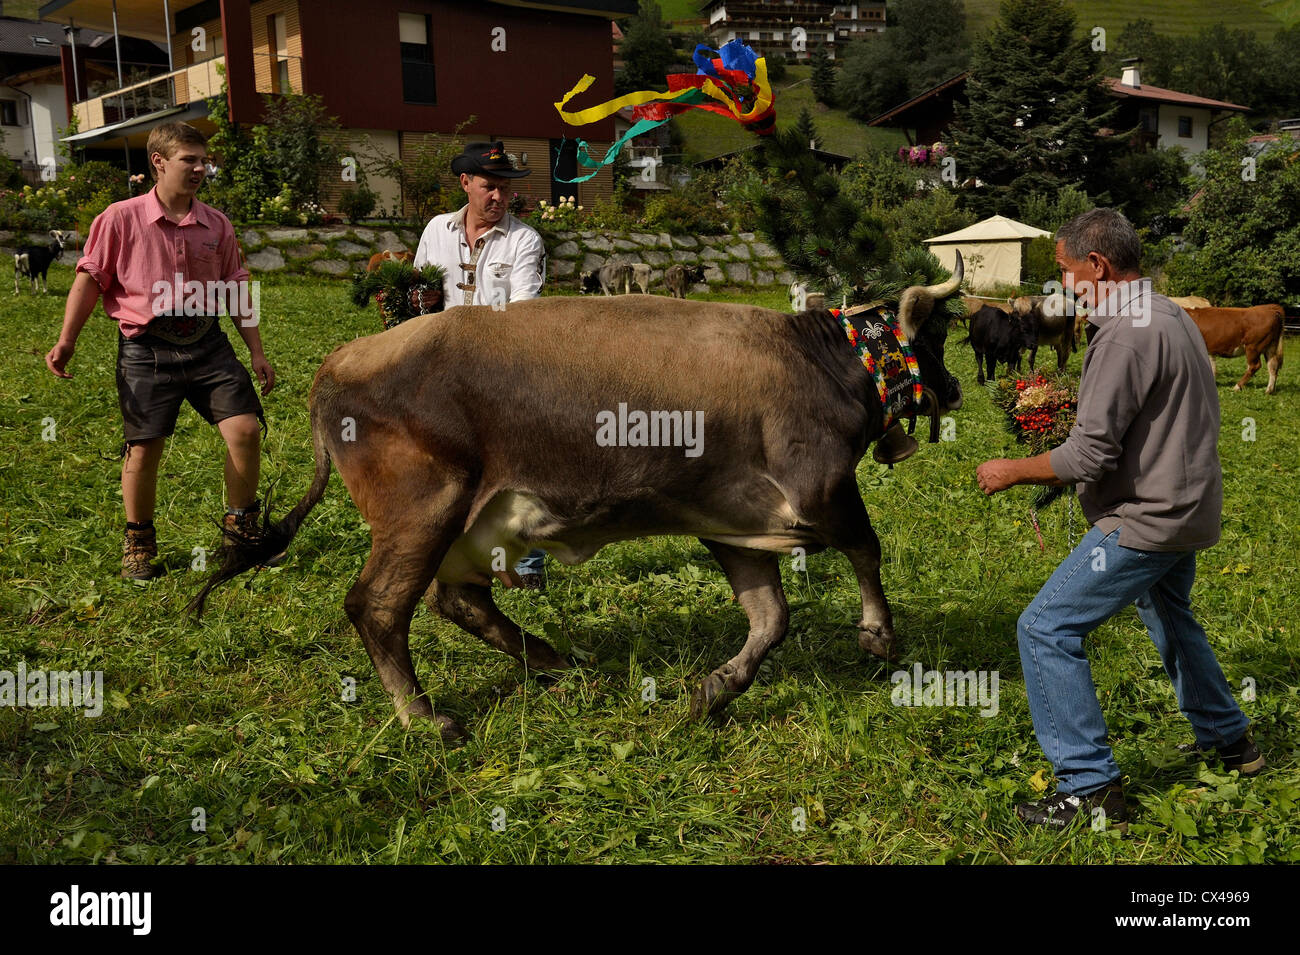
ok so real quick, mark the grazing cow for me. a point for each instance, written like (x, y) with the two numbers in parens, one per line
(679, 278)
(608, 277)
(33, 261)
(641, 277)
(1052, 321)
(1253, 332)
(746, 428)
(996, 337)
(379, 258)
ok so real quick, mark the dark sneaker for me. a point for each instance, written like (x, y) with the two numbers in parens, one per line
(139, 550)
(532, 581)
(1061, 810)
(246, 529)
(1243, 755)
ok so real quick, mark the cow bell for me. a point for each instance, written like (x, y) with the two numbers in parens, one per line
(894, 446)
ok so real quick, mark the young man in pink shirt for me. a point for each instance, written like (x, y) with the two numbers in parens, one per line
(165, 264)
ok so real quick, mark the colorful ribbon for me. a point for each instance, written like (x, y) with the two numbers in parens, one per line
(731, 83)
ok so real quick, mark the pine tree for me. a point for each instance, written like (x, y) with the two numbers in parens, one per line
(646, 50)
(823, 235)
(823, 77)
(1036, 105)
(805, 128)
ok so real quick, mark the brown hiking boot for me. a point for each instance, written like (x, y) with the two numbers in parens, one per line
(138, 552)
(246, 528)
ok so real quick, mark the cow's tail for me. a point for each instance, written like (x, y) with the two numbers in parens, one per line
(1274, 351)
(247, 553)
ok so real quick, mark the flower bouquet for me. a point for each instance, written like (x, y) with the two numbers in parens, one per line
(1040, 411)
(402, 290)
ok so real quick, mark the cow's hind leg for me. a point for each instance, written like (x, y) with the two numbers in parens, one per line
(1274, 364)
(755, 576)
(470, 607)
(406, 551)
(1252, 365)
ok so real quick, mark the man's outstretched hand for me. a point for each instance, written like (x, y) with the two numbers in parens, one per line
(996, 475)
(57, 359)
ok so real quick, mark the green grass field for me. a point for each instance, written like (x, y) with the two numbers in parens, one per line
(241, 715)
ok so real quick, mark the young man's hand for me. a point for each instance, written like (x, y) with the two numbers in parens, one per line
(264, 372)
(58, 357)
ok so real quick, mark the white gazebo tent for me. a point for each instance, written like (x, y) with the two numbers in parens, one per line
(993, 251)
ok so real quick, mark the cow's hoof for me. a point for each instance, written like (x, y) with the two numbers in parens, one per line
(452, 733)
(1236, 387)
(711, 697)
(877, 642)
(540, 655)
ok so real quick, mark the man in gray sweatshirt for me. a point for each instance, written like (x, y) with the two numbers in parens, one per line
(1144, 454)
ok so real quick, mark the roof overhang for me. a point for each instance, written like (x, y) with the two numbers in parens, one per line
(139, 18)
(137, 129)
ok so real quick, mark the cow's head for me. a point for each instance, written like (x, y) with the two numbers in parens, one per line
(588, 282)
(926, 327)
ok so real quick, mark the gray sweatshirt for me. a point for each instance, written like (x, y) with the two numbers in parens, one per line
(1145, 449)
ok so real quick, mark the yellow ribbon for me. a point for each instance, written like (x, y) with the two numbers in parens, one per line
(762, 101)
(594, 113)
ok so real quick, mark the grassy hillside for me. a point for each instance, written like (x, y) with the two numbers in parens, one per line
(1264, 17)
(707, 135)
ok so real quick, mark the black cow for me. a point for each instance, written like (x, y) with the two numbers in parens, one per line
(996, 337)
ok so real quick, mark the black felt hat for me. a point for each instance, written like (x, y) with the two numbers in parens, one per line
(487, 159)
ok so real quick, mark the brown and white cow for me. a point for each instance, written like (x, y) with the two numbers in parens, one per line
(1254, 332)
(744, 427)
(379, 258)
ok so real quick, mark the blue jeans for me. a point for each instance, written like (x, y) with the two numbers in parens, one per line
(532, 563)
(1099, 579)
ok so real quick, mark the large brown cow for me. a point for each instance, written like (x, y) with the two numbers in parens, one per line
(1253, 332)
(749, 425)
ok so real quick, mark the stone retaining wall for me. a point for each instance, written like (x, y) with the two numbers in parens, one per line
(337, 251)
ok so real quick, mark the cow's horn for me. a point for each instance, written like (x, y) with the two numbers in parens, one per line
(911, 322)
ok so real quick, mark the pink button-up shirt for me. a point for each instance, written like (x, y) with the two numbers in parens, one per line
(135, 255)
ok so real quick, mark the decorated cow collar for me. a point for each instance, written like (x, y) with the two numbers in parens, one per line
(878, 340)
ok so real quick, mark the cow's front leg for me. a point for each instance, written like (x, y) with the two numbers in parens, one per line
(755, 577)
(851, 533)
(471, 607)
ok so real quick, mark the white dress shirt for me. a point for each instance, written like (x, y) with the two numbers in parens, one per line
(511, 264)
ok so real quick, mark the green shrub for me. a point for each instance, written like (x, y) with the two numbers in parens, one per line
(684, 212)
(1040, 262)
(92, 207)
(358, 203)
(933, 213)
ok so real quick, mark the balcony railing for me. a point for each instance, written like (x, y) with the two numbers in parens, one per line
(273, 73)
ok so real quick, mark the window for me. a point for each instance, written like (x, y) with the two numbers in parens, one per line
(277, 41)
(8, 112)
(417, 59)
(1150, 120)
(1185, 127)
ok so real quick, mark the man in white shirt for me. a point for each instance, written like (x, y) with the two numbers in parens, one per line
(490, 258)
